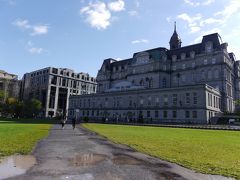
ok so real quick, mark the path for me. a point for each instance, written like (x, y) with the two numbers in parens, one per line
(83, 155)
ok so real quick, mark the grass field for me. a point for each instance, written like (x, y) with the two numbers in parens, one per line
(206, 151)
(19, 136)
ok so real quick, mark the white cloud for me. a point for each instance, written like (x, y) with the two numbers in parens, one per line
(97, 15)
(195, 3)
(23, 24)
(189, 19)
(133, 13)
(116, 6)
(208, 2)
(232, 8)
(32, 49)
(191, 3)
(194, 29)
(140, 41)
(211, 21)
(35, 29)
(40, 29)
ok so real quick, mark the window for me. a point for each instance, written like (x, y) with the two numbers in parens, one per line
(187, 114)
(156, 114)
(194, 114)
(209, 74)
(174, 58)
(213, 60)
(187, 98)
(174, 99)
(183, 56)
(174, 114)
(193, 65)
(205, 62)
(148, 114)
(165, 114)
(174, 68)
(192, 54)
(164, 67)
(165, 100)
(164, 83)
(195, 98)
(216, 73)
(183, 66)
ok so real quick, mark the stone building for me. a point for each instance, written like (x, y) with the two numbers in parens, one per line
(53, 86)
(182, 84)
(9, 84)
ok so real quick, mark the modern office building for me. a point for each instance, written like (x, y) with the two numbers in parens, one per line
(9, 84)
(181, 85)
(53, 86)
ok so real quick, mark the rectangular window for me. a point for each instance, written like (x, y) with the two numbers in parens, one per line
(174, 99)
(165, 114)
(174, 114)
(156, 114)
(148, 114)
(195, 98)
(187, 114)
(165, 100)
(194, 114)
(187, 98)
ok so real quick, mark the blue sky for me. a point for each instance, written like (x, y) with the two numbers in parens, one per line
(80, 34)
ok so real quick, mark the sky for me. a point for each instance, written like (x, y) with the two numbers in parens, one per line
(80, 34)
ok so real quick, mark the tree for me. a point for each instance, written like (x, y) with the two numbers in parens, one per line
(32, 107)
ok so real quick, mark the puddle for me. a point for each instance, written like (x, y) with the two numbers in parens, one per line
(15, 165)
(88, 159)
(121, 159)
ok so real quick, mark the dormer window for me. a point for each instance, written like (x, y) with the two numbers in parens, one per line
(192, 54)
(174, 58)
(209, 47)
(183, 56)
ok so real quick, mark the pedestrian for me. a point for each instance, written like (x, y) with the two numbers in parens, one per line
(73, 122)
(63, 121)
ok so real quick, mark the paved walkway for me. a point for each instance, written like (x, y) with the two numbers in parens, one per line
(82, 155)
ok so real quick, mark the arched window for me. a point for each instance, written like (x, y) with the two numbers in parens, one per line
(164, 83)
(209, 74)
(216, 73)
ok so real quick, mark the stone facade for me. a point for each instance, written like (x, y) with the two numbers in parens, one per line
(205, 72)
(10, 84)
(53, 86)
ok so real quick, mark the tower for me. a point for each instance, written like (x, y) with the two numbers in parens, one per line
(175, 41)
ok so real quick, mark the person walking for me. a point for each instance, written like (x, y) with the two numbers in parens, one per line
(63, 121)
(73, 122)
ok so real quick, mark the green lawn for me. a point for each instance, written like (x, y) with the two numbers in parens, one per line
(19, 136)
(206, 151)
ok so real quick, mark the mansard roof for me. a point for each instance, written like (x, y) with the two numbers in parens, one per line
(157, 52)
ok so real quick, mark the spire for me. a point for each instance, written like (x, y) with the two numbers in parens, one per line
(175, 41)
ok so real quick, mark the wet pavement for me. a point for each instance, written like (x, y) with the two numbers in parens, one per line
(82, 155)
(16, 165)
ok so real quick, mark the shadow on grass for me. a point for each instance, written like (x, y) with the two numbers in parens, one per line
(28, 121)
